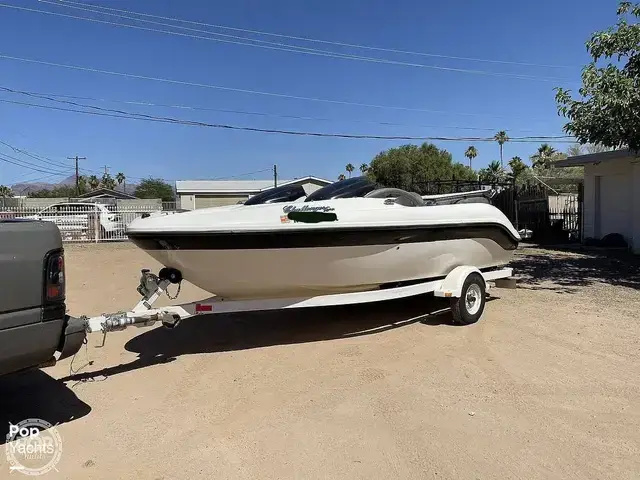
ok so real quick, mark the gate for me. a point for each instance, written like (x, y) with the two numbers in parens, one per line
(547, 216)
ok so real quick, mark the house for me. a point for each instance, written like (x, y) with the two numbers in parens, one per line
(611, 194)
(194, 194)
(106, 193)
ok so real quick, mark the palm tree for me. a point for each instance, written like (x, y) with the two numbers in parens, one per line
(120, 178)
(502, 138)
(93, 182)
(517, 167)
(364, 168)
(82, 184)
(108, 181)
(542, 158)
(341, 177)
(494, 173)
(5, 192)
(471, 153)
(349, 168)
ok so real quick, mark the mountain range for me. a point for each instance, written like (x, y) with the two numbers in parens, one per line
(24, 188)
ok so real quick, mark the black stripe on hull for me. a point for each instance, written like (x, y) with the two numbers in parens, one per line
(317, 238)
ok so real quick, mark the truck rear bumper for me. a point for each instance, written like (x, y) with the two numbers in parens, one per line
(73, 336)
(34, 345)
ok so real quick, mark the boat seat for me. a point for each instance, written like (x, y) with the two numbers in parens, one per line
(402, 197)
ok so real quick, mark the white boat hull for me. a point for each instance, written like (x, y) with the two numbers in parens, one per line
(323, 247)
(293, 272)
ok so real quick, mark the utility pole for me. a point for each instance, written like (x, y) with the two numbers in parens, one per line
(275, 175)
(77, 174)
(106, 169)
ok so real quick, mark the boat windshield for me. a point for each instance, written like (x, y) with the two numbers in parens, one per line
(349, 188)
(283, 193)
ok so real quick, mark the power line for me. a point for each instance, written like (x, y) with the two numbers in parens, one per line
(138, 116)
(263, 114)
(5, 158)
(128, 176)
(239, 90)
(277, 46)
(41, 157)
(27, 164)
(34, 156)
(248, 174)
(68, 4)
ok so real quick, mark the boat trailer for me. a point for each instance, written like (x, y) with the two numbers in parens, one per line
(465, 286)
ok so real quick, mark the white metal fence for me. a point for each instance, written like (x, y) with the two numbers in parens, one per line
(86, 222)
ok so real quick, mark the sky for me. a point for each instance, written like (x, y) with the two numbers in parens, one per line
(527, 48)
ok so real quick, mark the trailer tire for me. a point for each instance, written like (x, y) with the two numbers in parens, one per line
(468, 308)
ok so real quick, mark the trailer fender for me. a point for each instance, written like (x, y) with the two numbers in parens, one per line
(451, 286)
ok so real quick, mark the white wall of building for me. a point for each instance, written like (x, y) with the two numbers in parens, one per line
(204, 193)
(612, 200)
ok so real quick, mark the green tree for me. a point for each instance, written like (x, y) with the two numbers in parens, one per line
(578, 149)
(121, 179)
(410, 167)
(544, 156)
(155, 188)
(518, 168)
(341, 177)
(574, 150)
(597, 148)
(5, 191)
(363, 168)
(471, 153)
(94, 182)
(108, 182)
(493, 173)
(349, 168)
(462, 172)
(501, 137)
(82, 184)
(606, 112)
(60, 191)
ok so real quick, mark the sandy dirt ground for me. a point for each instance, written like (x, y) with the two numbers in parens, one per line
(545, 386)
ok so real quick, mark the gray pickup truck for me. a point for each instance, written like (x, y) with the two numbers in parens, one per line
(35, 329)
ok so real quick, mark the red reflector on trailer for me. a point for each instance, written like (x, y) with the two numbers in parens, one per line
(202, 307)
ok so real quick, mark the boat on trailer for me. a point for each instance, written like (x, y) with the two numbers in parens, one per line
(348, 243)
(350, 236)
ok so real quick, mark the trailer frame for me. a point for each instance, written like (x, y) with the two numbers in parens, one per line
(465, 286)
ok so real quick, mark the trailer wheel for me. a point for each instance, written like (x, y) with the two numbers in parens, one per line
(469, 307)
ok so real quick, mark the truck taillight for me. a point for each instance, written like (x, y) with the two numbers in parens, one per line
(54, 277)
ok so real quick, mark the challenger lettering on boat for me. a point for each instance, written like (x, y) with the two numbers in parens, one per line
(307, 208)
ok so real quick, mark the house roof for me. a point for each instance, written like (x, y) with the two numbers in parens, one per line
(237, 186)
(106, 192)
(592, 158)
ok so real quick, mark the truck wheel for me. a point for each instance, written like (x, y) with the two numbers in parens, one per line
(469, 307)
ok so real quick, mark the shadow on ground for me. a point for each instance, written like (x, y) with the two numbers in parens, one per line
(34, 394)
(241, 331)
(567, 270)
